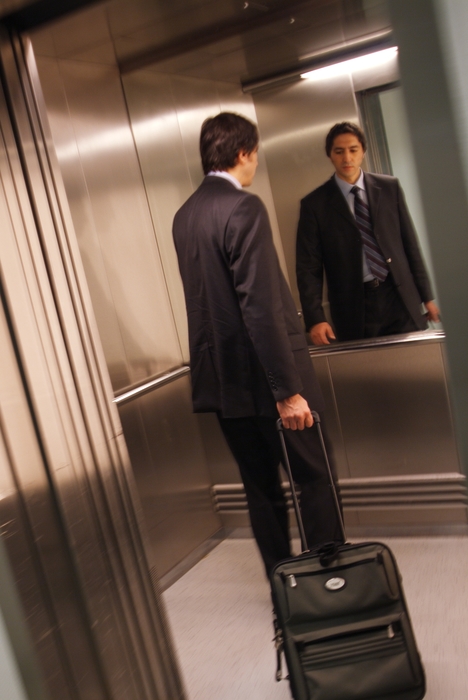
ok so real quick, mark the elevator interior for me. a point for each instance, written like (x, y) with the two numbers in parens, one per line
(123, 87)
(126, 87)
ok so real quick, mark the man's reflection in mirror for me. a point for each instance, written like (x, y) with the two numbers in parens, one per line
(356, 228)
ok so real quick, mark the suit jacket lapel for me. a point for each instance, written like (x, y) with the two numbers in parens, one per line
(373, 196)
(338, 202)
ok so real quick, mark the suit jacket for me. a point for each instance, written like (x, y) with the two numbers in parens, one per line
(328, 239)
(247, 345)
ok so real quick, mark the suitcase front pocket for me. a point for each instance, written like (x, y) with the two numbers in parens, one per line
(368, 663)
(334, 592)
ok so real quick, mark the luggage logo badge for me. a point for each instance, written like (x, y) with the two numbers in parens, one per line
(335, 584)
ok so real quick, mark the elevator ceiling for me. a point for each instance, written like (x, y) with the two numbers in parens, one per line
(230, 40)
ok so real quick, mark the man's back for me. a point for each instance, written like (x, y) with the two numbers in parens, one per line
(242, 319)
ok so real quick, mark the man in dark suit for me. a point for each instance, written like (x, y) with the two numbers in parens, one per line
(356, 227)
(248, 354)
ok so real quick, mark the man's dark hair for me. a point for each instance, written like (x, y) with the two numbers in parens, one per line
(223, 137)
(344, 128)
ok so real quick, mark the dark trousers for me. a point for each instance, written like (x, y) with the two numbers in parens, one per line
(255, 444)
(385, 313)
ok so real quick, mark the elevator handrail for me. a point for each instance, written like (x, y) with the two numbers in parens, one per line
(418, 337)
(136, 391)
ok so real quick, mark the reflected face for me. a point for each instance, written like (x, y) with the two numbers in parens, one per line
(347, 155)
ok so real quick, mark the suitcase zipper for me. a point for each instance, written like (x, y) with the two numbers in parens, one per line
(298, 574)
(352, 645)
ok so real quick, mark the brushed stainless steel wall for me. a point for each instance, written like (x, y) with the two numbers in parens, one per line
(390, 420)
(166, 113)
(68, 511)
(169, 464)
(96, 152)
(124, 235)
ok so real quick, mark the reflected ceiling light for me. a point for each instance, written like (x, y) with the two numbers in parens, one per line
(369, 60)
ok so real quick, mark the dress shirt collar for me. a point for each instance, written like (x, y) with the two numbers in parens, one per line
(346, 188)
(227, 176)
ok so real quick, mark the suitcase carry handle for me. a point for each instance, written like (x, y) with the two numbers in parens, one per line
(300, 524)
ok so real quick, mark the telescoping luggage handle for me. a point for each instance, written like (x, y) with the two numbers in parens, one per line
(300, 524)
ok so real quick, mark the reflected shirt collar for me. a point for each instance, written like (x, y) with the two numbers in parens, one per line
(227, 176)
(346, 188)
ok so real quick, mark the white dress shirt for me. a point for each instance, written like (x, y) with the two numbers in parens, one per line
(227, 176)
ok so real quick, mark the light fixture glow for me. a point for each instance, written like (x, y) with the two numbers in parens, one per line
(370, 60)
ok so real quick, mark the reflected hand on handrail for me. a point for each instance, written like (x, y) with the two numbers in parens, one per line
(322, 333)
(433, 313)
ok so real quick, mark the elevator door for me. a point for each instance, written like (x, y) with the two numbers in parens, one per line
(69, 516)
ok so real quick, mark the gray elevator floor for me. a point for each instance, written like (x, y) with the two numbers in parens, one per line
(220, 614)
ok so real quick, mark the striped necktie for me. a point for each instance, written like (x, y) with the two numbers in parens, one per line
(375, 259)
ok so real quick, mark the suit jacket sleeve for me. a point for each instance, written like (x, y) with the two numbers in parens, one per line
(260, 287)
(412, 250)
(309, 266)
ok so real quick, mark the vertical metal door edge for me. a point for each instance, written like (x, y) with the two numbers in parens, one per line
(73, 360)
(95, 357)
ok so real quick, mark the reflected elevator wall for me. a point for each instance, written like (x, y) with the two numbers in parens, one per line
(293, 121)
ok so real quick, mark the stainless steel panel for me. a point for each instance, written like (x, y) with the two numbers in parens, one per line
(108, 203)
(171, 474)
(221, 464)
(394, 410)
(331, 415)
(416, 504)
(166, 115)
(163, 163)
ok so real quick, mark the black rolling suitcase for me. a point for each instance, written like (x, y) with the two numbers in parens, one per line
(342, 620)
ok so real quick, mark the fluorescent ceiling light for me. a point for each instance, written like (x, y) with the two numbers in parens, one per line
(370, 60)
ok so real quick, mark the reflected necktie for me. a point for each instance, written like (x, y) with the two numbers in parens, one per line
(375, 259)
